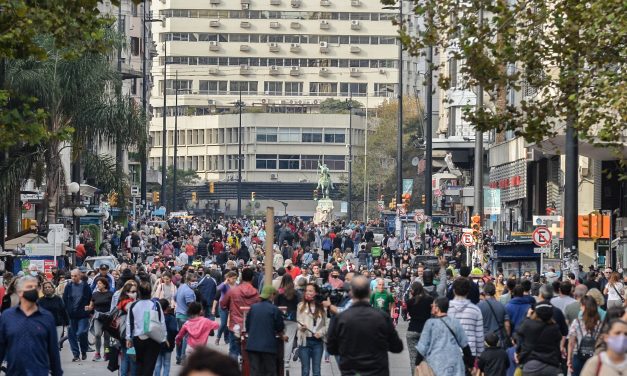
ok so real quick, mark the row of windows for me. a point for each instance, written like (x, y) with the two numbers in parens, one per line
(298, 162)
(223, 87)
(262, 162)
(293, 108)
(276, 15)
(278, 38)
(279, 62)
(262, 135)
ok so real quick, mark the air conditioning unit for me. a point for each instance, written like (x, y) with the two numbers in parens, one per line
(245, 2)
(324, 47)
(325, 3)
(284, 101)
(245, 24)
(355, 72)
(274, 176)
(274, 47)
(295, 47)
(244, 69)
(324, 24)
(295, 25)
(355, 25)
(244, 48)
(211, 102)
(245, 6)
(381, 71)
(324, 71)
(274, 70)
(295, 71)
(274, 25)
(355, 3)
(214, 71)
(295, 3)
(214, 23)
(214, 46)
(275, 2)
(214, 2)
(355, 49)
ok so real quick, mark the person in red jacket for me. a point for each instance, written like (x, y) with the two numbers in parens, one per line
(244, 295)
(80, 254)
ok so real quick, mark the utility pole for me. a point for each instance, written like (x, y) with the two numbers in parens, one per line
(176, 138)
(144, 148)
(571, 199)
(429, 134)
(350, 158)
(164, 157)
(478, 177)
(399, 133)
(239, 157)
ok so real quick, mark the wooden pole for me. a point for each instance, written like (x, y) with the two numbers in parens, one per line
(269, 246)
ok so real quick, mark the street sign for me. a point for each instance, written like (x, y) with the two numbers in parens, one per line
(419, 217)
(543, 251)
(27, 206)
(542, 236)
(134, 191)
(437, 192)
(467, 239)
(545, 220)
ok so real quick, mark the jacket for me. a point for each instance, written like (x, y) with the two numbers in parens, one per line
(540, 341)
(172, 330)
(244, 295)
(197, 330)
(517, 309)
(207, 288)
(55, 306)
(76, 310)
(362, 337)
(263, 323)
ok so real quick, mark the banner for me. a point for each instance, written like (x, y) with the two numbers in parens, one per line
(491, 201)
(408, 186)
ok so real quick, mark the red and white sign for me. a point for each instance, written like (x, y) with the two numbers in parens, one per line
(27, 205)
(542, 236)
(467, 239)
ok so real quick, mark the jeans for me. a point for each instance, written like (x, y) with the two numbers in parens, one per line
(77, 333)
(290, 331)
(98, 332)
(311, 357)
(412, 340)
(262, 364)
(127, 365)
(180, 350)
(163, 362)
(235, 346)
(147, 353)
(224, 315)
(578, 363)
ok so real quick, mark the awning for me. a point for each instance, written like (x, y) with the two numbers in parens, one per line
(159, 212)
(557, 146)
(518, 250)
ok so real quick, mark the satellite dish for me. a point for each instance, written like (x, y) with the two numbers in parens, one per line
(414, 161)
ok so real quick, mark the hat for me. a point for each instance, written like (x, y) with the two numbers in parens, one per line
(267, 291)
(104, 267)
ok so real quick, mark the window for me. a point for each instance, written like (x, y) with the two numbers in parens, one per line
(312, 135)
(452, 71)
(335, 136)
(246, 87)
(266, 135)
(265, 162)
(273, 88)
(135, 46)
(289, 162)
(293, 88)
(181, 85)
(384, 89)
(289, 134)
(309, 162)
(323, 88)
(212, 87)
(232, 162)
(335, 162)
(356, 90)
(134, 86)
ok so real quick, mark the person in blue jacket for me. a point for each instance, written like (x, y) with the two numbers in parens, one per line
(518, 307)
(162, 368)
(207, 288)
(76, 297)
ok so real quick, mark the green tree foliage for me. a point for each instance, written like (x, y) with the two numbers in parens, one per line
(337, 106)
(569, 53)
(184, 179)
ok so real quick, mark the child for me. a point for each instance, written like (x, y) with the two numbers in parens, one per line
(165, 355)
(494, 360)
(197, 328)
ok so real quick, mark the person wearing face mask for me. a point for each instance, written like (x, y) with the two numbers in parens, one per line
(54, 304)
(28, 338)
(613, 361)
(76, 297)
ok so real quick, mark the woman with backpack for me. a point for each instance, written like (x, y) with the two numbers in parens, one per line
(615, 291)
(583, 334)
(613, 361)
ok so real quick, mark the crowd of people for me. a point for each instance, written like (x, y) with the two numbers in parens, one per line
(336, 294)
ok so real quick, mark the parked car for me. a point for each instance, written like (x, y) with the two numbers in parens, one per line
(93, 263)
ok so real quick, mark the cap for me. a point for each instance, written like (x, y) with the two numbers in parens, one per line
(267, 291)
(104, 267)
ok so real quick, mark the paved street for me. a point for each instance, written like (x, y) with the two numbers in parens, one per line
(399, 363)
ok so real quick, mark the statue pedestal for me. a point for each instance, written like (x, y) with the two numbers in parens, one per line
(324, 211)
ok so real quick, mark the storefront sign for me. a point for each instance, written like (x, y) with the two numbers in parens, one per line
(492, 201)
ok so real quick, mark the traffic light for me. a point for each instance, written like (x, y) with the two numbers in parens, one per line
(212, 187)
(155, 197)
(393, 203)
(423, 199)
(596, 225)
(113, 199)
(315, 194)
(406, 198)
(194, 197)
(475, 225)
(252, 196)
(584, 228)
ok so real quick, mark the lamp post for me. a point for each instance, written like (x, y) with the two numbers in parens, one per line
(350, 158)
(164, 157)
(75, 210)
(239, 104)
(176, 138)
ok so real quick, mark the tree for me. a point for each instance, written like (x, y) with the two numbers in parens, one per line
(568, 52)
(184, 179)
(337, 106)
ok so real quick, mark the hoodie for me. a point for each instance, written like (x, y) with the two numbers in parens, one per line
(197, 330)
(517, 309)
(244, 295)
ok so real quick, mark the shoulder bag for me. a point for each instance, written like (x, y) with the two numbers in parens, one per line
(469, 359)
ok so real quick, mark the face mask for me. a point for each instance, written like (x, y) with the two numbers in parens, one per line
(193, 285)
(31, 295)
(33, 273)
(132, 295)
(618, 343)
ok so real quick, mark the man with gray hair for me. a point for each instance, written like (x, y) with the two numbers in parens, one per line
(28, 336)
(77, 296)
(572, 310)
(546, 294)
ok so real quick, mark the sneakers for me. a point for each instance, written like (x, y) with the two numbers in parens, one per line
(76, 359)
(84, 356)
(97, 357)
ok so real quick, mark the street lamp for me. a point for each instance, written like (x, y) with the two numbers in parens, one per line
(349, 103)
(239, 104)
(76, 212)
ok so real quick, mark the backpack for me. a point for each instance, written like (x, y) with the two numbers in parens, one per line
(587, 345)
(376, 251)
(151, 322)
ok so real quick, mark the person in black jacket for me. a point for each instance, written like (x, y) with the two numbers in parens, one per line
(538, 339)
(54, 304)
(362, 335)
(207, 288)
(76, 297)
(165, 355)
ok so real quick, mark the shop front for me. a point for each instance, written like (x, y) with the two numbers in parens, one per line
(515, 258)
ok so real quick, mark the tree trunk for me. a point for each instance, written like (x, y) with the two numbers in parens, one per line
(13, 213)
(53, 175)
